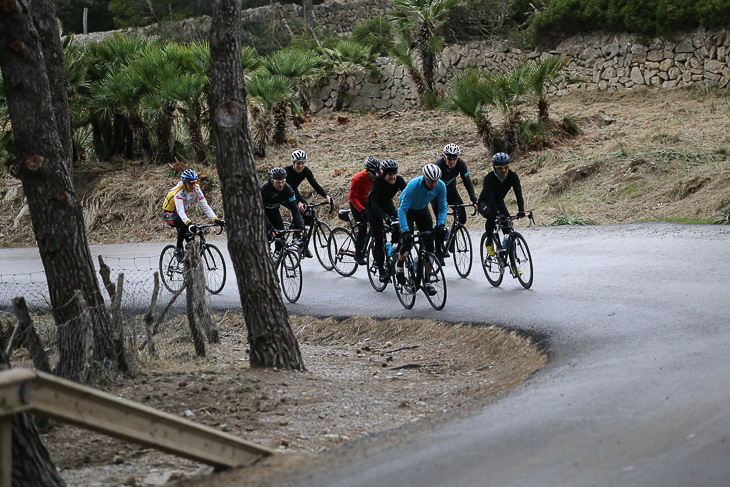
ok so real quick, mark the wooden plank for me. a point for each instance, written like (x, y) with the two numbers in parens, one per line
(14, 390)
(92, 409)
(6, 451)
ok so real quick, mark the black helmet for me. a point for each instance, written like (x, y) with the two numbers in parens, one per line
(372, 165)
(389, 166)
(277, 173)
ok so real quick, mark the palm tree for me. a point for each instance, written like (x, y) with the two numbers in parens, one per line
(190, 91)
(348, 59)
(265, 92)
(465, 94)
(540, 79)
(295, 65)
(507, 92)
(402, 51)
(424, 19)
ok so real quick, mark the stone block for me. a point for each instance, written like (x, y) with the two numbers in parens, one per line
(637, 76)
(713, 66)
(655, 55)
(685, 46)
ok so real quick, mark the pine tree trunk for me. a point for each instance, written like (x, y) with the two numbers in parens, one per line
(45, 169)
(270, 337)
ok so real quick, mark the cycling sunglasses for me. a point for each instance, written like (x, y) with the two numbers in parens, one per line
(499, 168)
(280, 181)
(452, 158)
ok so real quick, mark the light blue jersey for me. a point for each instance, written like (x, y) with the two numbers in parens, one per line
(417, 196)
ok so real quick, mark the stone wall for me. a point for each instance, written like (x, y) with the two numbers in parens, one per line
(598, 62)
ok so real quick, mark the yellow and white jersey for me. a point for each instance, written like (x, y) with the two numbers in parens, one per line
(179, 200)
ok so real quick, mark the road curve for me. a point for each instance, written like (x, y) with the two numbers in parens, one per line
(636, 389)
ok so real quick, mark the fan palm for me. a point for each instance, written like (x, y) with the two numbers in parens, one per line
(402, 51)
(507, 92)
(265, 93)
(540, 79)
(465, 94)
(424, 19)
(348, 59)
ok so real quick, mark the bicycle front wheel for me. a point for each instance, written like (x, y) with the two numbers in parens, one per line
(490, 263)
(521, 260)
(433, 275)
(172, 272)
(321, 236)
(290, 275)
(214, 268)
(341, 248)
(462, 251)
(406, 292)
(373, 272)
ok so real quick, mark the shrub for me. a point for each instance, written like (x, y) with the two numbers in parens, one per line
(376, 33)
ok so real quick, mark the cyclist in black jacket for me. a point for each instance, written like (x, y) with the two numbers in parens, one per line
(452, 165)
(496, 185)
(295, 174)
(274, 193)
(380, 207)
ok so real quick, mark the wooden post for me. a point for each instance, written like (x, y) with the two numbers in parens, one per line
(86, 339)
(195, 284)
(86, 18)
(28, 337)
(105, 273)
(149, 317)
(117, 323)
(6, 450)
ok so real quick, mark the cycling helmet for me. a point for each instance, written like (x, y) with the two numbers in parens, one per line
(189, 176)
(389, 166)
(277, 173)
(431, 172)
(500, 159)
(452, 150)
(298, 155)
(372, 165)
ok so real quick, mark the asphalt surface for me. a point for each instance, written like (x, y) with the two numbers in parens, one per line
(636, 391)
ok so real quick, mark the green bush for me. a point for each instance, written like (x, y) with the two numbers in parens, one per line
(377, 34)
(646, 17)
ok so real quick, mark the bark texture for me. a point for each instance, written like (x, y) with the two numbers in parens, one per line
(43, 163)
(270, 337)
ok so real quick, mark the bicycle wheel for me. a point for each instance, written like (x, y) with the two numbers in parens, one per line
(171, 271)
(373, 273)
(521, 260)
(462, 251)
(290, 275)
(341, 248)
(492, 270)
(215, 269)
(406, 292)
(433, 274)
(320, 236)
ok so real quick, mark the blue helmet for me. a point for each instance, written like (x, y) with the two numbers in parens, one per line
(189, 176)
(500, 159)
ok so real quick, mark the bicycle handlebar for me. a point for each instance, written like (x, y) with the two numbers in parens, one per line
(199, 228)
(464, 205)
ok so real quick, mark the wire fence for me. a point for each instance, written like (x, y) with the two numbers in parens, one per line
(77, 342)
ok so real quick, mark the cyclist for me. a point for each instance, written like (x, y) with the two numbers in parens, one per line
(495, 187)
(413, 208)
(274, 193)
(380, 207)
(358, 198)
(176, 205)
(295, 174)
(452, 165)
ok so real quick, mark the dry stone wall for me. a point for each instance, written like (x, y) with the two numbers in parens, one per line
(598, 62)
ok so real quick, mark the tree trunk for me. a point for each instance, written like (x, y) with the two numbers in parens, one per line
(281, 119)
(32, 465)
(308, 14)
(45, 169)
(270, 337)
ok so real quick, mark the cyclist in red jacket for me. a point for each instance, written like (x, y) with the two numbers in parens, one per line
(358, 198)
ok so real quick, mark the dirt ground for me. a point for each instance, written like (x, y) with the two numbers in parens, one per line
(364, 377)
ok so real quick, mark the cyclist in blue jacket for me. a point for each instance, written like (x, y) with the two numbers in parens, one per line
(414, 201)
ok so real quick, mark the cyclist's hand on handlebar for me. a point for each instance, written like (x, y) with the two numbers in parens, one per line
(192, 229)
(221, 222)
(388, 220)
(520, 214)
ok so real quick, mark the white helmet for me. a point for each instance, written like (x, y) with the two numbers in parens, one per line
(431, 172)
(452, 150)
(298, 155)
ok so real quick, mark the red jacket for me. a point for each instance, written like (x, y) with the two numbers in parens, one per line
(359, 189)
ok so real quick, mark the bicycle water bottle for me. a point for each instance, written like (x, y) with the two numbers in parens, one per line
(504, 242)
(415, 265)
(389, 249)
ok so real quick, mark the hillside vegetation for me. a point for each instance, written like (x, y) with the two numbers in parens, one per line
(643, 155)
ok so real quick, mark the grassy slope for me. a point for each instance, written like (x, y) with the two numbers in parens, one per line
(664, 158)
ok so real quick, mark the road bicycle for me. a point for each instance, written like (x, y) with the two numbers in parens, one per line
(389, 251)
(172, 270)
(457, 242)
(285, 250)
(512, 254)
(341, 245)
(319, 232)
(420, 268)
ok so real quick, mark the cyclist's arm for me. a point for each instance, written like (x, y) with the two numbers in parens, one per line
(443, 207)
(203, 203)
(405, 204)
(466, 179)
(296, 215)
(180, 208)
(313, 183)
(517, 188)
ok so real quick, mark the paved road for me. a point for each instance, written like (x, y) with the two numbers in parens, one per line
(636, 391)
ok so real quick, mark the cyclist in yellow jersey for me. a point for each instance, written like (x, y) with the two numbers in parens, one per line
(176, 205)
